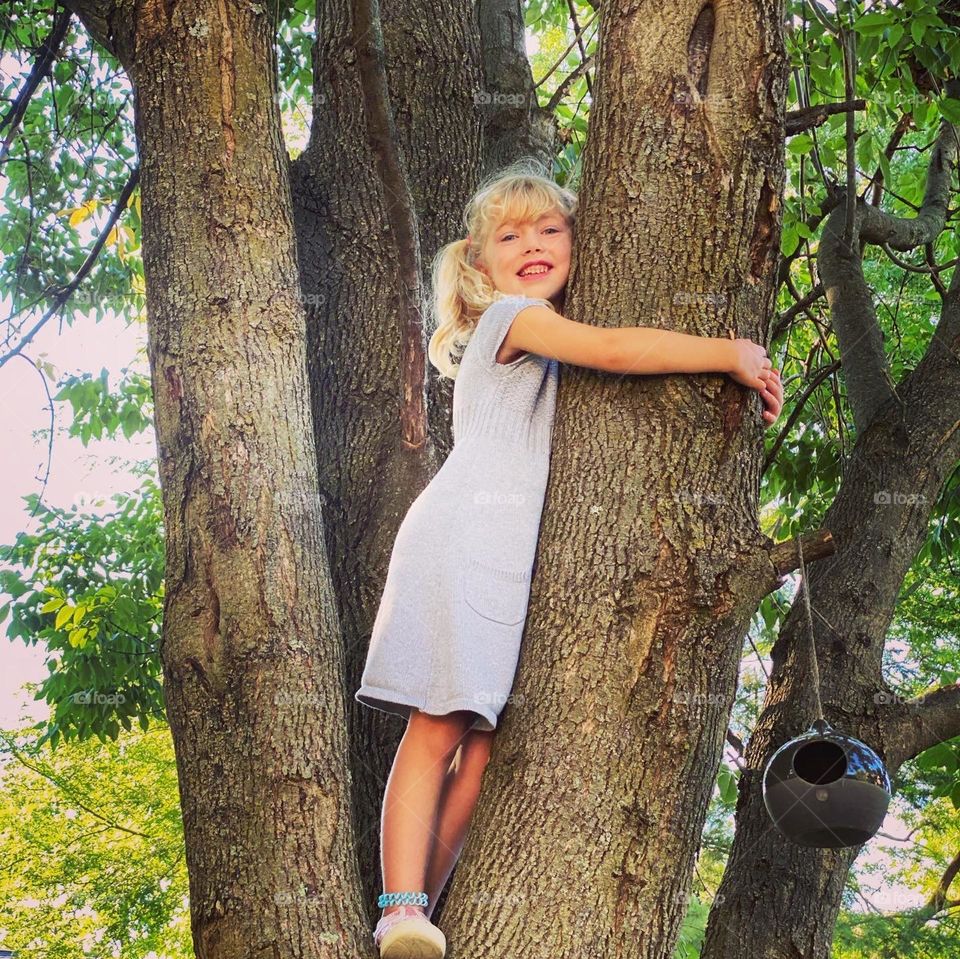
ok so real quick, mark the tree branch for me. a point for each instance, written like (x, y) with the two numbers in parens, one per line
(561, 90)
(67, 291)
(66, 790)
(910, 727)
(807, 117)
(913, 267)
(46, 55)
(869, 385)
(848, 47)
(905, 123)
(100, 18)
(797, 408)
(783, 320)
(816, 545)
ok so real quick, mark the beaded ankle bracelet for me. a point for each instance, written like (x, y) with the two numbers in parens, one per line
(402, 899)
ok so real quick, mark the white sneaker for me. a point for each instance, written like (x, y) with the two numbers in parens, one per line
(408, 934)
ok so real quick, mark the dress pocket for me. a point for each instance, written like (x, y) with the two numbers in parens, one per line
(496, 593)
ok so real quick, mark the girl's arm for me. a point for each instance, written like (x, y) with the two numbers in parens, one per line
(631, 349)
(644, 349)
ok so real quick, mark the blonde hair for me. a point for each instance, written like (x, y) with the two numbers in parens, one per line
(521, 193)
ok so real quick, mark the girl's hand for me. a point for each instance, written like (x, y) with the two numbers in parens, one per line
(751, 366)
(748, 363)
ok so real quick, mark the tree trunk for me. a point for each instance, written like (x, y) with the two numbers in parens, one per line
(650, 561)
(396, 147)
(253, 665)
(779, 900)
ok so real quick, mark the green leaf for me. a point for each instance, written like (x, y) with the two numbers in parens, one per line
(727, 783)
(884, 166)
(937, 757)
(789, 241)
(949, 108)
(63, 616)
(872, 24)
(12, 584)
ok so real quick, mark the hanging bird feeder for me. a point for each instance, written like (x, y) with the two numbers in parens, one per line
(824, 788)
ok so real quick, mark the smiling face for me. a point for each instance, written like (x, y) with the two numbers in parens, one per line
(512, 247)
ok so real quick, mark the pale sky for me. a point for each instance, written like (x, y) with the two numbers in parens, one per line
(77, 473)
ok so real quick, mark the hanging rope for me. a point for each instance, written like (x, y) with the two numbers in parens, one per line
(814, 667)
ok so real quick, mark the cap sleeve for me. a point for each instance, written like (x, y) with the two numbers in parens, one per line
(493, 324)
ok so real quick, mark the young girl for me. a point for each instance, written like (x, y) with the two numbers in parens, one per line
(446, 638)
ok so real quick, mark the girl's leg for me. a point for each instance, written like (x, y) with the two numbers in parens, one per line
(412, 798)
(457, 802)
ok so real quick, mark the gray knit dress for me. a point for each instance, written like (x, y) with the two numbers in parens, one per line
(447, 632)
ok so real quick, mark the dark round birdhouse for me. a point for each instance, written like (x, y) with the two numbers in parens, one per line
(826, 789)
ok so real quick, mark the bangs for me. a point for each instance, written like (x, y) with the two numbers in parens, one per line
(519, 201)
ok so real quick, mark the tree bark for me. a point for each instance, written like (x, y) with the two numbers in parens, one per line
(514, 124)
(650, 560)
(252, 660)
(397, 144)
(778, 900)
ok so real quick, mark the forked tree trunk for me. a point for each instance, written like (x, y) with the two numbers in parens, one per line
(650, 559)
(395, 149)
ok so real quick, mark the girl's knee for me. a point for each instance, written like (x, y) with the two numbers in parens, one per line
(473, 753)
(443, 733)
(480, 743)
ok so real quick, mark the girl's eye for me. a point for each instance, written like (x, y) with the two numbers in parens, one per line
(506, 236)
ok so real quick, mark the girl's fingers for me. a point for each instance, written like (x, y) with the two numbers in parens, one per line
(773, 403)
(772, 388)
